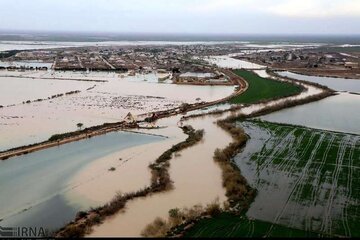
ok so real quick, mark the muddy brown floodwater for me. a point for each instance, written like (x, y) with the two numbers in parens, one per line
(107, 102)
(197, 179)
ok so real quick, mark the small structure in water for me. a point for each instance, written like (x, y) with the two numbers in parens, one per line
(152, 118)
(129, 118)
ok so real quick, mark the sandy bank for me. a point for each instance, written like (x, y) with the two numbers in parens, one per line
(99, 185)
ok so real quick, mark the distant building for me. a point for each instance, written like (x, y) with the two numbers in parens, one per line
(351, 65)
(290, 56)
(129, 118)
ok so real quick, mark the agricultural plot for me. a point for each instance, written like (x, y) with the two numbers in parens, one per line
(307, 180)
(263, 89)
(228, 225)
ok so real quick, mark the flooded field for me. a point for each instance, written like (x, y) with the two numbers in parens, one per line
(229, 62)
(306, 179)
(35, 187)
(26, 45)
(18, 90)
(335, 113)
(98, 103)
(230, 226)
(25, 64)
(338, 84)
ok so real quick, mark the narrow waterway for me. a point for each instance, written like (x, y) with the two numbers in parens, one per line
(197, 179)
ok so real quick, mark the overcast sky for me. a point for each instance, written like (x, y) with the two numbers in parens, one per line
(184, 16)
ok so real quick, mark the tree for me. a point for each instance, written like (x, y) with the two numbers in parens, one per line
(80, 125)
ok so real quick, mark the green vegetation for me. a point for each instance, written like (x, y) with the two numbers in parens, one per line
(6, 54)
(160, 178)
(79, 125)
(230, 225)
(89, 130)
(61, 136)
(262, 89)
(178, 219)
(319, 175)
(238, 191)
(310, 176)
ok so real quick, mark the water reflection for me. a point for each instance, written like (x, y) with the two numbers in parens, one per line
(337, 113)
(338, 84)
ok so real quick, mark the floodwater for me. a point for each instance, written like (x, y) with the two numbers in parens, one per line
(132, 171)
(196, 177)
(210, 109)
(305, 178)
(229, 62)
(25, 64)
(337, 113)
(33, 186)
(99, 103)
(26, 45)
(338, 84)
(17, 90)
(197, 74)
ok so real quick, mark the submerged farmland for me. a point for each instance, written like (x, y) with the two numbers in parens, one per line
(306, 179)
(262, 179)
(229, 225)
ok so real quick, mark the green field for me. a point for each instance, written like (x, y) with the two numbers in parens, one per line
(263, 89)
(307, 179)
(228, 225)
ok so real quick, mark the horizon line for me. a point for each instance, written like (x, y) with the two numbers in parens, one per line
(8, 31)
